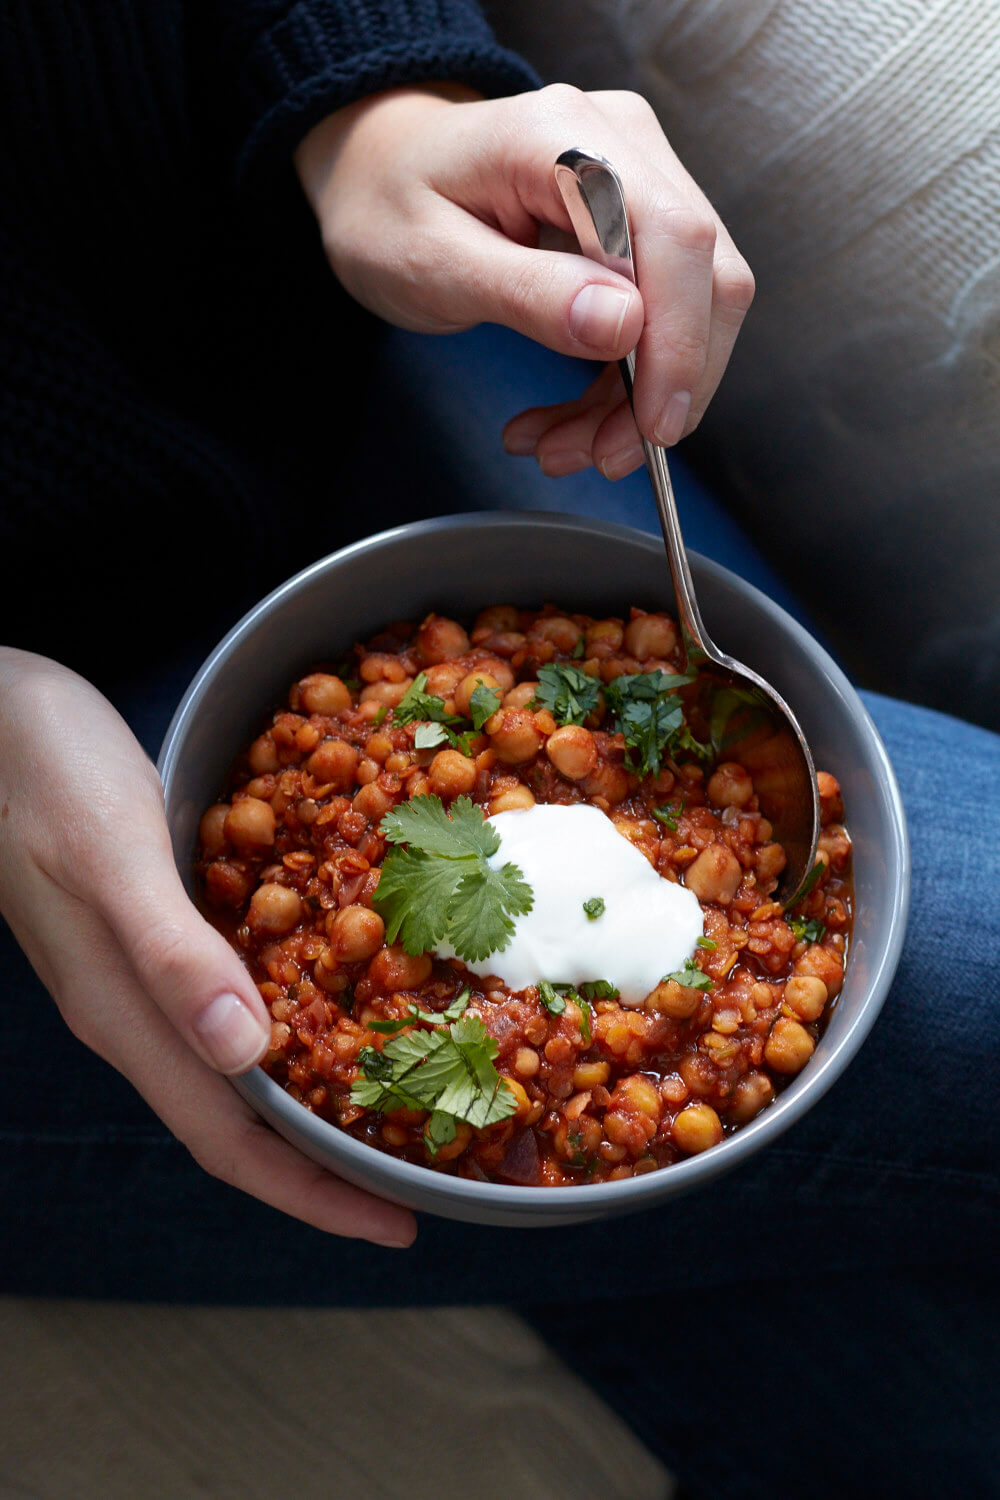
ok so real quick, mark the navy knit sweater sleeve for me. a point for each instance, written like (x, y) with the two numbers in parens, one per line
(295, 62)
(170, 334)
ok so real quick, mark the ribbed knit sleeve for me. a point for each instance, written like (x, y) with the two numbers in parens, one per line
(294, 63)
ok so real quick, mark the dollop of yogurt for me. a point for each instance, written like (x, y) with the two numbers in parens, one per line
(569, 856)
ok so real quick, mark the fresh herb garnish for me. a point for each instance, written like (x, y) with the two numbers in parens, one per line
(381, 715)
(599, 989)
(650, 715)
(806, 886)
(427, 736)
(584, 1007)
(670, 816)
(429, 1017)
(416, 703)
(708, 943)
(448, 1071)
(554, 1002)
(690, 976)
(810, 930)
(483, 704)
(440, 888)
(569, 694)
(580, 649)
(594, 908)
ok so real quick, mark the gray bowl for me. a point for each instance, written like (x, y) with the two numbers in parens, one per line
(457, 565)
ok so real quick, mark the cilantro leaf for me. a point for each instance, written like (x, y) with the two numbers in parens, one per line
(691, 977)
(599, 989)
(440, 887)
(648, 712)
(483, 704)
(818, 869)
(550, 997)
(448, 1071)
(430, 1017)
(594, 908)
(670, 815)
(569, 694)
(426, 736)
(417, 703)
(807, 931)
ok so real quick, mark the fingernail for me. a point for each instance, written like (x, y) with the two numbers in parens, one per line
(623, 462)
(672, 419)
(230, 1034)
(557, 465)
(597, 314)
(520, 447)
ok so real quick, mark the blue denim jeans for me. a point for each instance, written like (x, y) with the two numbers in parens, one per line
(822, 1321)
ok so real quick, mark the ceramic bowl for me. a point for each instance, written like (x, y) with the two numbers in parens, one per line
(456, 566)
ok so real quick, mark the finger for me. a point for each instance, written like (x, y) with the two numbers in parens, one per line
(521, 434)
(84, 968)
(564, 301)
(733, 292)
(675, 266)
(617, 453)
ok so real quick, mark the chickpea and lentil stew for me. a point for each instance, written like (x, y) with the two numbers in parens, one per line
(554, 1084)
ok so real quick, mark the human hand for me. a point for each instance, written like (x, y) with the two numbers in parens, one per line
(90, 889)
(435, 207)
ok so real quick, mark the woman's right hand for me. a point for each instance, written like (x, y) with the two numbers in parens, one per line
(89, 887)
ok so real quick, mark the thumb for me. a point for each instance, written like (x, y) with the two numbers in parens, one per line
(185, 966)
(561, 300)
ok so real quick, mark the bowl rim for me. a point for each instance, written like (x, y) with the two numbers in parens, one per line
(416, 1181)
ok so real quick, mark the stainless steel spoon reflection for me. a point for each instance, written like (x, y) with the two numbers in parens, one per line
(751, 719)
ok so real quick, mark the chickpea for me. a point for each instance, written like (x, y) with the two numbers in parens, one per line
(439, 639)
(443, 679)
(769, 862)
(372, 802)
(463, 1135)
(212, 831)
(514, 736)
(333, 763)
(355, 933)
(640, 1094)
(749, 1097)
(228, 883)
(250, 824)
(468, 685)
(650, 635)
(696, 1128)
(322, 693)
(386, 694)
(806, 995)
(496, 619)
(451, 774)
(392, 968)
(521, 695)
(729, 785)
(604, 637)
(607, 780)
(573, 751)
(263, 756)
(678, 1001)
(789, 1047)
(714, 875)
(274, 908)
(825, 965)
(558, 629)
(516, 799)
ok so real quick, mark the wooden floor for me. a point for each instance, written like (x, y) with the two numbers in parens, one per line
(122, 1402)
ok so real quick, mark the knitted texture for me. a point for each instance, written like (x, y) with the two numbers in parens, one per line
(854, 152)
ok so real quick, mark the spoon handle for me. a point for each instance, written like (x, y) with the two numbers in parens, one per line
(595, 202)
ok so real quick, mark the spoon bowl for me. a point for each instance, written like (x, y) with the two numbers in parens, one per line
(749, 719)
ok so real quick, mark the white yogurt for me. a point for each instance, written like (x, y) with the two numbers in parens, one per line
(570, 855)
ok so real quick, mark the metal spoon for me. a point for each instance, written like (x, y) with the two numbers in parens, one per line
(760, 729)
